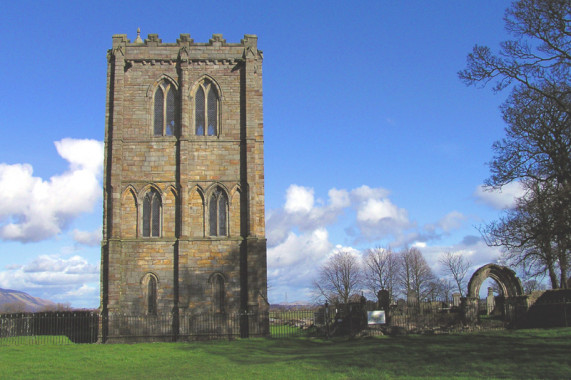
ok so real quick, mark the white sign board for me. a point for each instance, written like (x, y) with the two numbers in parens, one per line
(376, 317)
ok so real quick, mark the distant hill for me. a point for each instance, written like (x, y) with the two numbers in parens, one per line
(16, 301)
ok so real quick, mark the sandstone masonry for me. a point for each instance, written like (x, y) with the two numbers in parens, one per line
(183, 229)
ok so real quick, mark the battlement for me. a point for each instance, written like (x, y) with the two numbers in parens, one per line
(184, 49)
(217, 40)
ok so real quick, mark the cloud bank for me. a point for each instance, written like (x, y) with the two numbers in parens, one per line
(33, 209)
(55, 278)
(299, 238)
(502, 198)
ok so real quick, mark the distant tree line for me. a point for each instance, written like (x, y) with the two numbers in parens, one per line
(346, 276)
(22, 307)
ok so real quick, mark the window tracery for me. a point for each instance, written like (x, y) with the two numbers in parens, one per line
(206, 114)
(218, 213)
(165, 110)
(152, 208)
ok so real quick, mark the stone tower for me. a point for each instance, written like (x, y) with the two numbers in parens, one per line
(183, 224)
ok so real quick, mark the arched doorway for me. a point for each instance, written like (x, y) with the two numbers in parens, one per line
(504, 276)
(508, 283)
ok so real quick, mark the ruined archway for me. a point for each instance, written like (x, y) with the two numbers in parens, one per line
(506, 279)
(504, 276)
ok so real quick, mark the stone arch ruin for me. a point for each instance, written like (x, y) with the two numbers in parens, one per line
(504, 276)
(506, 279)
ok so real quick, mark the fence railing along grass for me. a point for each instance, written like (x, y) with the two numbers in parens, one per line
(181, 327)
(49, 327)
(420, 318)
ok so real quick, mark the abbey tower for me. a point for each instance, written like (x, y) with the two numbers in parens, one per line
(183, 229)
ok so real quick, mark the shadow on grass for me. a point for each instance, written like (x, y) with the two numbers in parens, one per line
(511, 354)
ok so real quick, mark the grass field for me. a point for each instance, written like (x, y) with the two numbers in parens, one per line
(507, 354)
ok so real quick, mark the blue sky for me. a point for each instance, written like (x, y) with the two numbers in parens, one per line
(370, 137)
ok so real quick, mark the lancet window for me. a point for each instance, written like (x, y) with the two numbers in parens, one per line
(152, 208)
(218, 213)
(165, 109)
(206, 114)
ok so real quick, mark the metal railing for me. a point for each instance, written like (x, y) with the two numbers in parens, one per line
(49, 327)
(420, 318)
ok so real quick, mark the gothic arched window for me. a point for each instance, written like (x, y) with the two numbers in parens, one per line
(218, 293)
(165, 110)
(152, 214)
(152, 295)
(206, 110)
(218, 213)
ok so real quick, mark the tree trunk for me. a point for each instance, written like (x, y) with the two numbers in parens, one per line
(553, 277)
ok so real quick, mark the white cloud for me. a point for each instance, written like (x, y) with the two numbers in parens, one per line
(502, 198)
(301, 212)
(365, 192)
(339, 198)
(54, 278)
(451, 221)
(298, 251)
(82, 154)
(32, 209)
(299, 199)
(477, 253)
(375, 210)
(83, 291)
(58, 265)
(293, 264)
(89, 238)
(377, 216)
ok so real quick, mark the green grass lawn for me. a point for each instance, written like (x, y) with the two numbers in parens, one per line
(506, 354)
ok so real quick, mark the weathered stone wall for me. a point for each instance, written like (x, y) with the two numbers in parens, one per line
(184, 169)
(546, 308)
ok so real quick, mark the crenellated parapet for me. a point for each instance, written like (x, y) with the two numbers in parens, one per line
(152, 50)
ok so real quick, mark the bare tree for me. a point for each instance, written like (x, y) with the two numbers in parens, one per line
(440, 290)
(13, 307)
(537, 146)
(539, 54)
(456, 265)
(415, 274)
(339, 278)
(534, 235)
(532, 285)
(446, 288)
(58, 307)
(381, 270)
